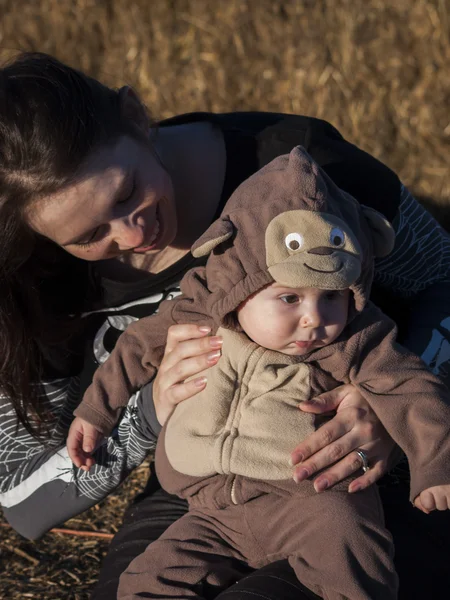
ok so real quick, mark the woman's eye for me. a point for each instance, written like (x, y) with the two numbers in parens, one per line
(294, 241)
(129, 194)
(289, 299)
(92, 240)
(337, 237)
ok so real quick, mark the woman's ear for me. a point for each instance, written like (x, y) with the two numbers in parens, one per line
(220, 231)
(383, 234)
(132, 108)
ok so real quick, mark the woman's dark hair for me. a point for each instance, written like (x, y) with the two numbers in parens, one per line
(51, 118)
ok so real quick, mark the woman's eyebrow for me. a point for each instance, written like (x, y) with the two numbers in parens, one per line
(118, 195)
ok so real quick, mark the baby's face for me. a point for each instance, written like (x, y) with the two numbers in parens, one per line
(294, 321)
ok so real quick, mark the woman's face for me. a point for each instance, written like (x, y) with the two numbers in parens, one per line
(121, 202)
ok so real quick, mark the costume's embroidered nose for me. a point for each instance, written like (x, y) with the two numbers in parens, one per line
(323, 250)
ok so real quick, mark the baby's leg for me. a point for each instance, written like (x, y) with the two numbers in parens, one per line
(434, 498)
(190, 560)
(336, 543)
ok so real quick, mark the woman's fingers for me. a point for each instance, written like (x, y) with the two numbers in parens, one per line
(176, 394)
(190, 351)
(331, 449)
(322, 440)
(330, 400)
(187, 367)
(182, 333)
(377, 469)
(183, 391)
(329, 455)
(186, 349)
(347, 467)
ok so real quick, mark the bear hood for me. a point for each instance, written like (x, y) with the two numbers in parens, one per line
(289, 223)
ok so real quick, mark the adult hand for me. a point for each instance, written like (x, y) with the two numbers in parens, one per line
(189, 352)
(355, 426)
(82, 440)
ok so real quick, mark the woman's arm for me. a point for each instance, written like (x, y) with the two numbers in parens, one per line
(40, 487)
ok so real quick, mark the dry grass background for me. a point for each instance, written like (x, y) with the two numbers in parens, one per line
(378, 70)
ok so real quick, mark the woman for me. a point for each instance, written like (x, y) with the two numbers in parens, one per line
(98, 211)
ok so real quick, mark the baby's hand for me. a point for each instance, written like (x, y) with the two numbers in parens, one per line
(434, 498)
(81, 442)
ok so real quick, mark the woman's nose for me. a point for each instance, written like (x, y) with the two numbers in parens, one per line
(128, 234)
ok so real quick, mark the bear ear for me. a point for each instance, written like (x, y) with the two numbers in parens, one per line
(383, 235)
(220, 231)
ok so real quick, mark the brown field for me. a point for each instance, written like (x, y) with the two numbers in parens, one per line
(378, 70)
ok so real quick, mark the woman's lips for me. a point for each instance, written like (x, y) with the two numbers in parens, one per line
(156, 234)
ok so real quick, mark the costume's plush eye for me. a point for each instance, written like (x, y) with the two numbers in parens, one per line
(337, 237)
(294, 241)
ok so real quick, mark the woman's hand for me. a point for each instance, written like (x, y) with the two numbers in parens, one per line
(189, 351)
(355, 426)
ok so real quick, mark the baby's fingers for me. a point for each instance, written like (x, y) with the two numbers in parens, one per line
(88, 463)
(427, 501)
(434, 498)
(418, 504)
(82, 460)
(79, 457)
(90, 439)
(74, 447)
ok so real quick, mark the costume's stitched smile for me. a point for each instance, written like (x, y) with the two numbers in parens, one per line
(321, 271)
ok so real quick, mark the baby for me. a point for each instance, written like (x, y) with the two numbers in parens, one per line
(286, 285)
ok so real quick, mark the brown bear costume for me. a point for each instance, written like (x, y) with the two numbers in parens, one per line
(227, 449)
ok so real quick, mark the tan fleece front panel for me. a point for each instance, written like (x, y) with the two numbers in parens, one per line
(247, 419)
(312, 249)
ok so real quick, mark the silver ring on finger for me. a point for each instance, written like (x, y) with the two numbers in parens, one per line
(365, 461)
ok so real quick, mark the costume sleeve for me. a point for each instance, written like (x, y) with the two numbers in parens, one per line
(128, 368)
(138, 353)
(411, 402)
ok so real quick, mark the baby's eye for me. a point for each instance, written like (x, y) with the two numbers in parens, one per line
(337, 237)
(294, 241)
(289, 298)
(333, 295)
